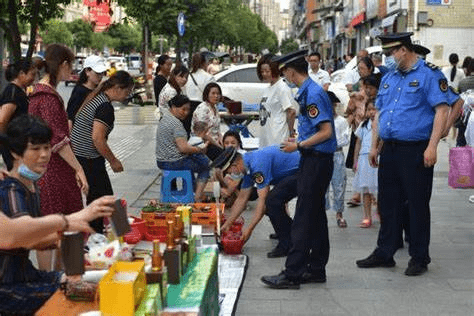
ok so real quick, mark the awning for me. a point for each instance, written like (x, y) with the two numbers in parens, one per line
(389, 20)
(358, 19)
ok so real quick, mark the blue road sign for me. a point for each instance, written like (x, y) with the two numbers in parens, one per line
(180, 22)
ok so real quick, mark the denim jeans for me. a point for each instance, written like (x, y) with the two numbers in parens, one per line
(197, 163)
(338, 184)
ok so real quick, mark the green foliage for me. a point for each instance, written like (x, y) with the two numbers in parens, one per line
(101, 40)
(288, 45)
(55, 31)
(82, 33)
(125, 38)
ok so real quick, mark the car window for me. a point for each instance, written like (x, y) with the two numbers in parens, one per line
(241, 75)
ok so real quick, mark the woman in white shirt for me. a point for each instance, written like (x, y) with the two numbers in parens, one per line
(175, 86)
(453, 74)
(277, 107)
(207, 113)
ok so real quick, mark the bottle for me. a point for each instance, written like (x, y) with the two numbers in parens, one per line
(170, 236)
(156, 262)
(172, 256)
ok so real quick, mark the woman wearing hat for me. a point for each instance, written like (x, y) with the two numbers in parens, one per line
(90, 77)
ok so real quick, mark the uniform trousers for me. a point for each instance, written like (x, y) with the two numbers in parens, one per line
(309, 232)
(275, 202)
(405, 186)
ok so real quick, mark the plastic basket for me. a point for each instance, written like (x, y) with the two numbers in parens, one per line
(232, 244)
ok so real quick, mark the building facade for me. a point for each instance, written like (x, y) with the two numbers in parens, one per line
(338, 27)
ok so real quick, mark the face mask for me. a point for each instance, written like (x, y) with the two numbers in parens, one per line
(237, 176)
(290, 84)
(27, 173)
(391, 63)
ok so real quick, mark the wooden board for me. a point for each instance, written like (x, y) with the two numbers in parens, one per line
(58, 304)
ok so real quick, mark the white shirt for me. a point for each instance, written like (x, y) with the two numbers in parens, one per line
(321, 77)
(202, 78)
(352, 76)
(343, 132)
(275, 101)
(458, 77)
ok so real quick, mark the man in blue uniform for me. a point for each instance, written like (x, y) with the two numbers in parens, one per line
(412, 105)
(263, 167)
(309, 252)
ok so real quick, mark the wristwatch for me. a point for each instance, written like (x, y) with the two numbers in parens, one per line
(298, 146)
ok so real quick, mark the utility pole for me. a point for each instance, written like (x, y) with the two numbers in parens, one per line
(2, 50)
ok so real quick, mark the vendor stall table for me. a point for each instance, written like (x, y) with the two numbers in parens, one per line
(58, 304)
(240, 121)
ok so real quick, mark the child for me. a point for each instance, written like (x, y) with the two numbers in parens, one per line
(199, 129)
(338, 180)
(365, 180)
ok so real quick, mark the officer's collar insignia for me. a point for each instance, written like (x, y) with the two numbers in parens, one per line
(385, 86)
(414, 83)
(258, 177)
(443, 85)
(312, 110)
(432, 66)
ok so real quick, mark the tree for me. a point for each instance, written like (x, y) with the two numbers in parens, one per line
(56, 31)
(288, 45)
(82, 33)
(35, 13)
(126, 38)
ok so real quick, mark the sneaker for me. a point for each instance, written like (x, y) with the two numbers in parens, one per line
(373, 261)
(415, 268)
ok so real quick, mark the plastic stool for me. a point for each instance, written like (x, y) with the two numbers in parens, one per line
(170, 194)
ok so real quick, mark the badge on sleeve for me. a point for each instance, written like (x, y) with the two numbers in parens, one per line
(312, 110)
(443, 85)
(258, 177)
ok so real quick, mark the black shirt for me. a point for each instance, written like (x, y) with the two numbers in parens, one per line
(78, 95)
(158, 83)
(16, 95)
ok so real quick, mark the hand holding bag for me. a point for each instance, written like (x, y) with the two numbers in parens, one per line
(461, 167)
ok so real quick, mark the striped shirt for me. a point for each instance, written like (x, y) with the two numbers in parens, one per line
(168, 130)
(98, 109)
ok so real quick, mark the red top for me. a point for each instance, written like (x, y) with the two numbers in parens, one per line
(58, 186)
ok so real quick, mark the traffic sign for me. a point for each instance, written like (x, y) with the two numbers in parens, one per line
(180, 23)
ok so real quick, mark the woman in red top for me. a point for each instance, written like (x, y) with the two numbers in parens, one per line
(64, 179)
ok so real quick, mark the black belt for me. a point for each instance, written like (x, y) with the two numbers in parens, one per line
(405, 143)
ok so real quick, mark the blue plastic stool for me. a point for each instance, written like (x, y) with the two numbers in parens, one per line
(172, 195)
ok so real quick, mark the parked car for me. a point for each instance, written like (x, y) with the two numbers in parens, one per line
(241, 83)
(76, 69)
(134, 61)
(120, 62)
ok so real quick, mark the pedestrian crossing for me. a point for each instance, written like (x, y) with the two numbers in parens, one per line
(135, 115)
(124, 149)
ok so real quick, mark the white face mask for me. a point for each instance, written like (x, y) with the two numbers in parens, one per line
(391, 63)
(29, 174)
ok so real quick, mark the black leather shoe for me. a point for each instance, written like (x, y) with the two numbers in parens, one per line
(415, 268)
(273, 236)
(309, 277)
(373, 261)
(280, 281)
(277, 253)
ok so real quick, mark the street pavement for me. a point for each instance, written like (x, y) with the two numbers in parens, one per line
(446, 289)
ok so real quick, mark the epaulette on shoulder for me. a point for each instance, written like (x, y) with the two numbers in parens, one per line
(432, 66)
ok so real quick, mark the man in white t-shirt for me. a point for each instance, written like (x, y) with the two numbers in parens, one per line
(318, 75)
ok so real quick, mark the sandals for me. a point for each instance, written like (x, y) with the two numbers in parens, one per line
(366, 223)
(341, 222)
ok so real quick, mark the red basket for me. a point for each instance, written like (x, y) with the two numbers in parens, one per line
(237, 225)
(232, 246)
(155, 232)
(139, 224)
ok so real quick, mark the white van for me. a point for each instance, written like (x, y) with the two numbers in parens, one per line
(120, 62)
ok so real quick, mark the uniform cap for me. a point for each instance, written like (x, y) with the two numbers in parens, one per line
(395, 39)
(225, 159)
(284, 60)
(421, 50)
(333, 97)
(96, 63)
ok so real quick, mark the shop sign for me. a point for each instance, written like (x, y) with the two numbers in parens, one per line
(439, 2)
(358, 19)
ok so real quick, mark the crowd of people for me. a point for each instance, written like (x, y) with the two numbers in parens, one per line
(56, 178)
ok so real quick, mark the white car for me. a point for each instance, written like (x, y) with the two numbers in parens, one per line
(241, 83)
(120, 62)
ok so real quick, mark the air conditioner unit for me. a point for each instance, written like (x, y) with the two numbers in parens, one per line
(423, 17)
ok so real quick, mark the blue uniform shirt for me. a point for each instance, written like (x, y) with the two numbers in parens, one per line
(453, 96)
(407, 101)
(315, 108)
(268, 166)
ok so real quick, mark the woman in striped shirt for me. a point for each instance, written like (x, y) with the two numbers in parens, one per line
(92, 126)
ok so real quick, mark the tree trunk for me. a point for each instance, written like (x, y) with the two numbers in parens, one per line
(33, 29)
(13, 31)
